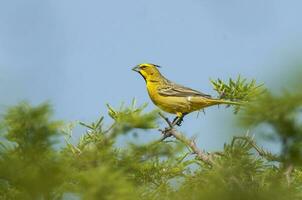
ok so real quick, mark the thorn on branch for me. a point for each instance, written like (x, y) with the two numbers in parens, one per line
(263, 153)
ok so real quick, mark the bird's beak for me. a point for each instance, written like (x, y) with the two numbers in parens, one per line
(136, 68)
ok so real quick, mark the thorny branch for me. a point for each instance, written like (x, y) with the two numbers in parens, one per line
(207, 157)
(171, 131)
(263, 153)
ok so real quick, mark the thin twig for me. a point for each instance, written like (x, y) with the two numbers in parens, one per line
(181, 159)
(267, 155)
(109, 129)
(166, 119)
(171, 131)
(288, 172)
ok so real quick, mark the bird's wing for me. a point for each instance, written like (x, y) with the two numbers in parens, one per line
(173, 89)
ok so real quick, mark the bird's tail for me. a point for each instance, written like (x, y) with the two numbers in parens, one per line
(200, 103)
(227, 102)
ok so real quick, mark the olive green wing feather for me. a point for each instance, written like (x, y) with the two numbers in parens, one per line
(173, 89)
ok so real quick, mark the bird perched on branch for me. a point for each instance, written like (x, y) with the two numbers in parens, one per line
(173, 98)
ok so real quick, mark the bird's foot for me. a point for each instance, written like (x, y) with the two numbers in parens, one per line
(177, 121)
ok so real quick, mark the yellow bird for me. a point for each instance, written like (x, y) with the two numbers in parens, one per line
(173, 98)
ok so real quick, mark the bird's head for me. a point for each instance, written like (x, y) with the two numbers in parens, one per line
(148, 71)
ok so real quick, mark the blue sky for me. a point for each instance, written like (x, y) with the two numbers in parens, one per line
(78, 54)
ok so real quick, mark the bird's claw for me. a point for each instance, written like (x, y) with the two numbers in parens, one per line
(179, 122)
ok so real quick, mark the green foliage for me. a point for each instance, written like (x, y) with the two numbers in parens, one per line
(130, 117)
(95, 167)
(237, 90)
(237, 175)
(30, 128)
(31, 169)
(281, 113)
(104, 183)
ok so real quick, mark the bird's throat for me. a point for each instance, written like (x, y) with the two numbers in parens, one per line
(143, 76)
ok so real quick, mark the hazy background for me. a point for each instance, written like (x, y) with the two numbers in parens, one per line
(78, 54)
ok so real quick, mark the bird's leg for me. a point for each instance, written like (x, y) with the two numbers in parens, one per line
(175, 120)
(179, 119)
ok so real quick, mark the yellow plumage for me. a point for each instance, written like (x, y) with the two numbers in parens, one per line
(174, 98)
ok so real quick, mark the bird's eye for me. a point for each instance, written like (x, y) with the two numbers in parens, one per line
(143, 67)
